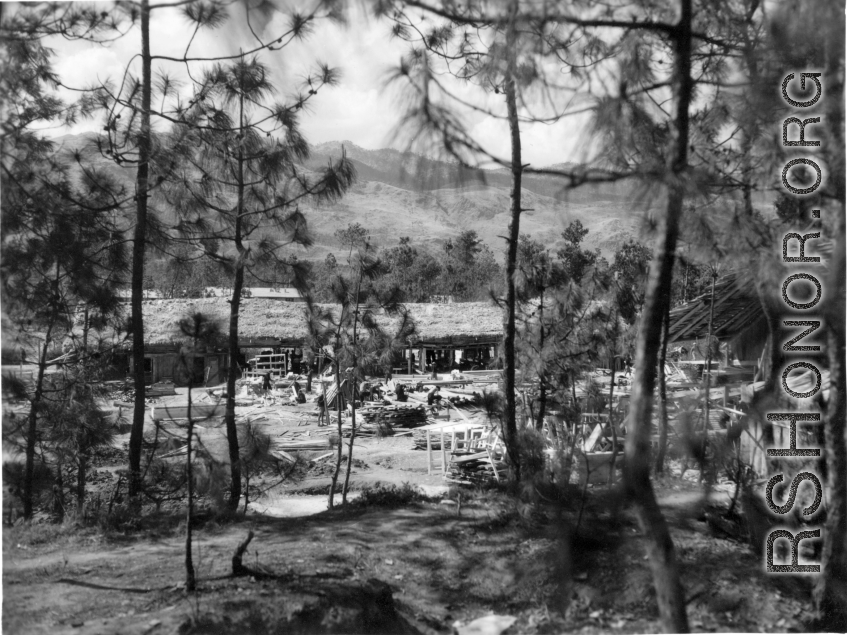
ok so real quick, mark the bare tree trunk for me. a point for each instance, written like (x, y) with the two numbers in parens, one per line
(80, 484)
(139, 244)
(234, 307)
(707, 378)
(338, 401)
(511, 430)
(831, 588)
(32, 426)
(542, 378)
(614, 431)
(663, 396)
(353, 401)
(190, 582)
(661, 554)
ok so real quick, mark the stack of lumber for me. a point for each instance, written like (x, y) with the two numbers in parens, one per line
(397, 416)
(306, 445)
(476, 467)
(375, 421)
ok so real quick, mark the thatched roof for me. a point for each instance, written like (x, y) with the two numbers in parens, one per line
(736, 308)
(265, 322)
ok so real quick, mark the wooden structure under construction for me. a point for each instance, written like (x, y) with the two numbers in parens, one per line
(739, 324)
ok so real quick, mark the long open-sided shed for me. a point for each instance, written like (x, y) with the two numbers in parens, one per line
(441, 329)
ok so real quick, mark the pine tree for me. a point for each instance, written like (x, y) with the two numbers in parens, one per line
(61, 249)
(350, 335)
(240, 192)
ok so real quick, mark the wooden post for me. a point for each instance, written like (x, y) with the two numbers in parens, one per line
(422, 359)
(409, 360)
(428, 453)
(443, 454)
(725, 395)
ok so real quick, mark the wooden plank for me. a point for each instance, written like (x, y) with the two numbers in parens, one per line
(592, 440)
(282, 454)
(471, 457)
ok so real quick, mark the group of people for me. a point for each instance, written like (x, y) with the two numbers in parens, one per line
(299, 395)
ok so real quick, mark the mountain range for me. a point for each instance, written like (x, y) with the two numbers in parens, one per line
(431, 201)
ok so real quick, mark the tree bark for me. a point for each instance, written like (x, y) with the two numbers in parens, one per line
(663, 395)
(139, 243)
(707, 378)
(831, 587)
(32, 427)
(511, 431)
(190, 582)
(235, 305)
(353, 402)
(661, 554)
(338, 400)
(542, 378)
(80, 485)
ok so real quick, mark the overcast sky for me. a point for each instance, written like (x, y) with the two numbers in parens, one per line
(362, 109)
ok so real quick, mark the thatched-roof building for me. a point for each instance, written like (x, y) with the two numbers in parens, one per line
(440, 329)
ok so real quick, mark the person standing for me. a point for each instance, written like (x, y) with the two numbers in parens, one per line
(322, 411)
(433, 397)
(266, 384)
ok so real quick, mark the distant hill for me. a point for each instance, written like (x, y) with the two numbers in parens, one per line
(405, 194)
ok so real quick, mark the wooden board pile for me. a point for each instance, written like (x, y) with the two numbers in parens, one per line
(463, 401)
(476, 467)
(383, 420)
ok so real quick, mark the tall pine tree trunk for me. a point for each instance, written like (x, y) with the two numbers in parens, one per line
(542, 378)
(663, 395)
(139, 243)
(511, 429)
(661, 554)
(831, 587)
(190, 581)
(338, 401)
(32, 426)
(234, 307)
(353, 401)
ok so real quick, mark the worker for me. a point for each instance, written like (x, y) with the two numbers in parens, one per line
(365, 391)
(322, 410)
(266, 384)
(433, 396)
(301, 396)
(400, 393)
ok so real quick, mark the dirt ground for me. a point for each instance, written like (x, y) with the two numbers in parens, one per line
(440, 567)
(438, 562)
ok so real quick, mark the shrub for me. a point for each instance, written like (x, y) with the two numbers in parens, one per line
(385, 495)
